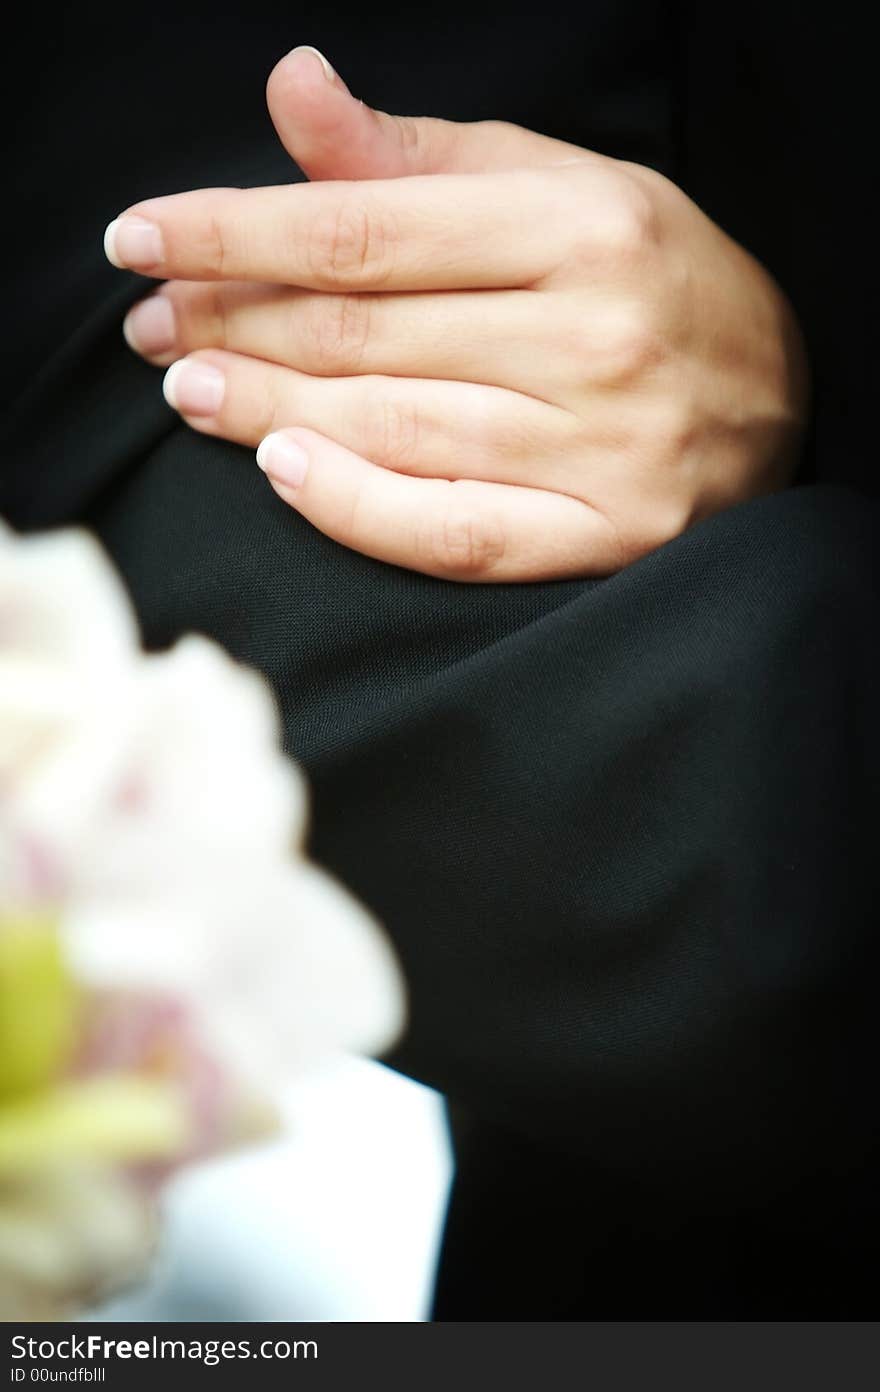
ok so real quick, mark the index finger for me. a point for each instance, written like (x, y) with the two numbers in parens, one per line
(424, 232)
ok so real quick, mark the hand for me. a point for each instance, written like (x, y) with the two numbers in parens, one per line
(477, 352)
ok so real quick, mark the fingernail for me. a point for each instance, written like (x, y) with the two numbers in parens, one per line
(194, 388)
(316, 53)
(150, 328)
(132, 243)
(283, 460)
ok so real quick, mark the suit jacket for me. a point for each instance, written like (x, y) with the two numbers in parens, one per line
(623, 831)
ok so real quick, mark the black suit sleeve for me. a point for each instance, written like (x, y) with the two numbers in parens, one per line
(627, 854)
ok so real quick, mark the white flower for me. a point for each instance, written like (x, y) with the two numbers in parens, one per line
(74, 1233)
(151, 828)
(146, 798)
(67, 649)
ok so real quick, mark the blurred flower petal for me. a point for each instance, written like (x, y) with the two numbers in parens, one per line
(37, 1004)
(62, 601)
(156, 897)
(121, 1118)
(206, 792)
(281, 971)
(68, 1236)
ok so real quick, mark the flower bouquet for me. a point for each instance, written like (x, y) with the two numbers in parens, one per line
(168, 954)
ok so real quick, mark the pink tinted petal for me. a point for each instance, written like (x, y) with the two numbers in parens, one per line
(153, 1034)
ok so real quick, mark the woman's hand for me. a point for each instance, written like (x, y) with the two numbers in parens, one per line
(477, 352)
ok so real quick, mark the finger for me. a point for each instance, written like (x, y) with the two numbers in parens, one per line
(493, 338)
(331, 135)
(457, 530)
(432, 429)
(433, 232)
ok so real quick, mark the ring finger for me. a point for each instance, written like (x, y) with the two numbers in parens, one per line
(434, 429)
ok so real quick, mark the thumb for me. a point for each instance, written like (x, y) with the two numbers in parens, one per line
(332, 135)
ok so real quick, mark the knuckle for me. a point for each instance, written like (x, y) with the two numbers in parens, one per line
(622, 226)
(495, 433)
(497, 130)
(410, 133)
(339, 329)
(217, 316)
(669, 436)
(357, 511)
(202, 315)
(462, 542)
(214, 249)
(633, 344)
(663, 497)
(351, 245)
(651, 521)
(634, 225)
(264, 412)
(393, 431)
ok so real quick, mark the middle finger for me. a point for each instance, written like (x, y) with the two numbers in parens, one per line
(490, 337)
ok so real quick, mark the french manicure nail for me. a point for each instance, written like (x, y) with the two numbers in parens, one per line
(283, 460)
(133, 243)
(150, 328)
(316, 53)
(194, 388)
